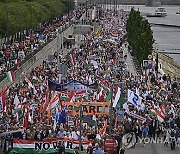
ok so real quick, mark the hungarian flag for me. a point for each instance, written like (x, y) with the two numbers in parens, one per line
(2, 99)
(26, 116)
(73, 61)
(72, 97)
(64, 96)
(17, 62)
(1, 102)
(104, 84)
(103, 130)
(101, 95)
(35, 78)
(117, 96)
(10, 76)
(54, 102)
(109, 96)
(163, 108)
(47, 146)
(159, 115)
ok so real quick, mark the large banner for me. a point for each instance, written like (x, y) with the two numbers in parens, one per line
(46, 146)
(89, 108)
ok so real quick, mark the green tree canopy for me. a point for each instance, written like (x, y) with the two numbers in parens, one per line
(29, 13)
(139, 35)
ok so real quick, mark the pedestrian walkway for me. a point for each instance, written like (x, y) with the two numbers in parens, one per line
(129, 61)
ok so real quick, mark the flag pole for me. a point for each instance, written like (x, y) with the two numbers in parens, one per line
(80, 131)
(110, 111)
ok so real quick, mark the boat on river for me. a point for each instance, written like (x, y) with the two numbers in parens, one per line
(160, 12)
(178, 12)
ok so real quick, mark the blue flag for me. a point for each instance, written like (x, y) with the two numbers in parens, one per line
(62, 117)
(54, 86)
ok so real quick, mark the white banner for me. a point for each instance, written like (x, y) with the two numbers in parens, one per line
(136, 116)
(134, 98)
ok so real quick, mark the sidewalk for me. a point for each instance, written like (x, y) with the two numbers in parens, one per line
(129, 61)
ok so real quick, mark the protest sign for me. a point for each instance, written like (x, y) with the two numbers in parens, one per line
(89, 108)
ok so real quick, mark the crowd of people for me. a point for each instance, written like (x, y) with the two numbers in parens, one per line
(100, 59)
(21, 47)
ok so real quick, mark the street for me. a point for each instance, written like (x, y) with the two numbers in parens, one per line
(152, 149)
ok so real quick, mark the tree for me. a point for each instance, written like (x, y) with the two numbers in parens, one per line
(139, 35)
(27, 13)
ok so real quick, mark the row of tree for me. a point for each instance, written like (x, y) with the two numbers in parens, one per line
(18, 15)
(139, 36)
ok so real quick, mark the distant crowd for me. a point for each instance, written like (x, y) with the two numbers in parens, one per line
(98, 59)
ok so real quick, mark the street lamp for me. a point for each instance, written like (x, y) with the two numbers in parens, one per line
(111, 104)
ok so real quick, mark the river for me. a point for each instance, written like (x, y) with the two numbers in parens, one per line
(167, 38)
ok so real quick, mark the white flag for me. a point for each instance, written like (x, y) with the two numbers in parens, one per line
(16, 101)
(133, 98)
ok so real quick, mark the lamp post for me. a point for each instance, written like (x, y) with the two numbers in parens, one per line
(80, 132)
(111, 104)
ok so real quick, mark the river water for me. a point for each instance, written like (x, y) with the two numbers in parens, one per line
(167, 38)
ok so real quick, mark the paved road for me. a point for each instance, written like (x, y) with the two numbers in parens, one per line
(161, 149)
(152, 149)
(140, 149)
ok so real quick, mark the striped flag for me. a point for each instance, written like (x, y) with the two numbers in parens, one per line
(10, 76)
(103, 130)
(54, 101)
(101, 95)
(47, 146)
(104, 84)
(159, 115)
(26, 116)
(73, 62)
(117, 97)
(17, 62)
(2, 99)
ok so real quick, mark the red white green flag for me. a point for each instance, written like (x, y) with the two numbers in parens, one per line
(160, 116)
(47, 146)
(10, 76)
(103, 130)
(73, 61)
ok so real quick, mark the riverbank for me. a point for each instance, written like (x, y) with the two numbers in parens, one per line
(169, 66)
